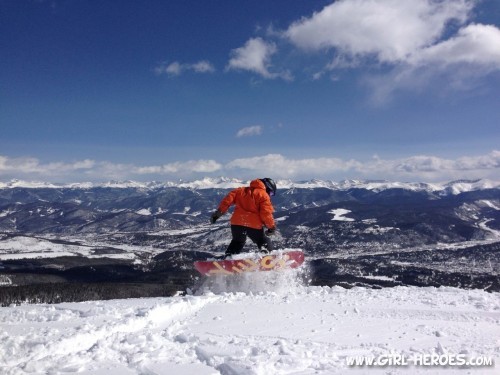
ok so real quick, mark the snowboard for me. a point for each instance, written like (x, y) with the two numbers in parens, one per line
(251, 262)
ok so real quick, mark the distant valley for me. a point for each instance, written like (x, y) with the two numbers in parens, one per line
(372, 233)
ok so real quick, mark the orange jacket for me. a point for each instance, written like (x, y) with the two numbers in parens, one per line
(253, 206)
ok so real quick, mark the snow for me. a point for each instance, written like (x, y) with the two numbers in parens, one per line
(378, 229)
(383, 278)
(5, 280)
(144, 212)
(213, 183)
(186, 212)
(495, 234)
(253, 325)
(25, 247)
(491, 204)
(454, 187)
(338, 214)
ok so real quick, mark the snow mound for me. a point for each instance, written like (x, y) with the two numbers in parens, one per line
(310, 330)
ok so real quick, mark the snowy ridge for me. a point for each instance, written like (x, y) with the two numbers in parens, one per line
(454, 187)
(301, 330)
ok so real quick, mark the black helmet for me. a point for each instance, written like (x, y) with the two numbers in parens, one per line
(270, 185)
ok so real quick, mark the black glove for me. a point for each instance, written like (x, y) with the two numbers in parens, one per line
(215, 216)
(271, 231)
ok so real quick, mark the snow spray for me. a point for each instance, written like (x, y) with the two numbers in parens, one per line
(279, 281)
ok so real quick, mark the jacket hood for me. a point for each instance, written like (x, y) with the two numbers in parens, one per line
(257, 184)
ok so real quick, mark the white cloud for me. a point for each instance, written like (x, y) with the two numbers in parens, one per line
(412, 40)
(176, 68)
(415, 168)
(281, 166)
(191, 166)
(391, 30)
(117, 171)
(23, 167)
(474, 44)
(29, 165)
(203, 66)
(249, 131)
(412, 44)
(489, 161)
(435, 168)
(255, 56)
(420, 167)
(457, 63)
(172, 69)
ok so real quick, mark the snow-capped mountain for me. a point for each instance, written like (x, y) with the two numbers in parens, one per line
(454, 187)
(380, 213)
(353, 232)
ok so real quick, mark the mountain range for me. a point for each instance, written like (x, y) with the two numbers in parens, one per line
(453, 187)
(353, 232)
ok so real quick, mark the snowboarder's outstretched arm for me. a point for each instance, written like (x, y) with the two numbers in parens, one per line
(223, 206)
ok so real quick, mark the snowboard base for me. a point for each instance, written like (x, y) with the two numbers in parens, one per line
(252, 262)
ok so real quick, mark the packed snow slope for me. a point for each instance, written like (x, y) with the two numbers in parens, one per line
(256, 324)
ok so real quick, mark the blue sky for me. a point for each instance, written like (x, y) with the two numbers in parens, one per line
(162, 90)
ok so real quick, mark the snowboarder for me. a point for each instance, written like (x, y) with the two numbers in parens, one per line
(253, 211)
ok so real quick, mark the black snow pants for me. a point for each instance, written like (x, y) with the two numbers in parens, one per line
(240, 234)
